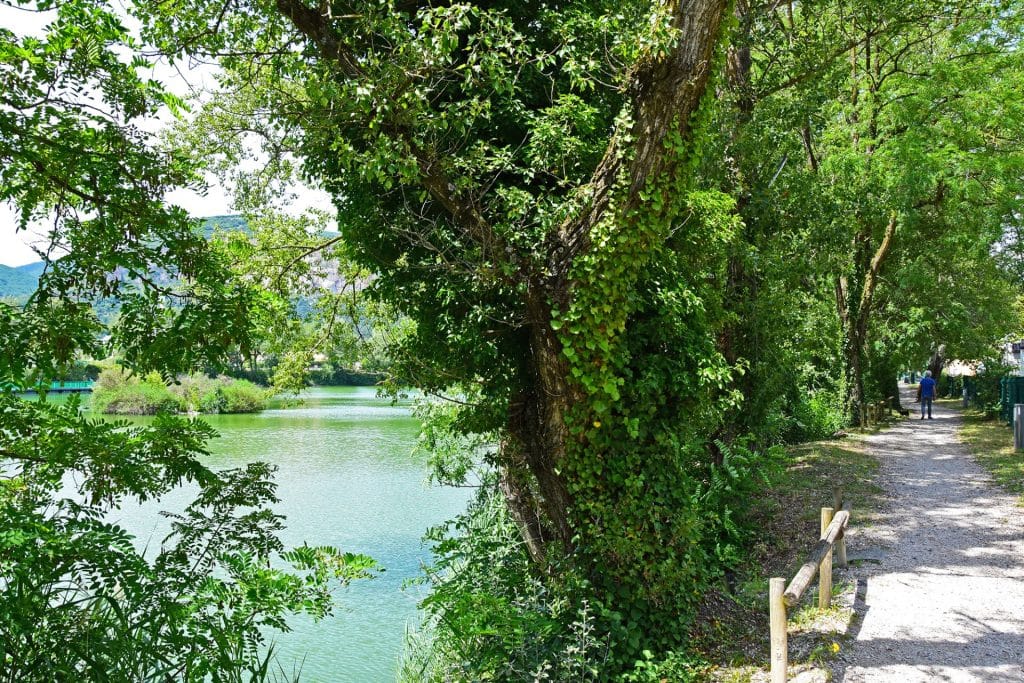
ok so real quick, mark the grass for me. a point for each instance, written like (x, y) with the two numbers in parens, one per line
(790, 513)
(991, 444)
(733, 627)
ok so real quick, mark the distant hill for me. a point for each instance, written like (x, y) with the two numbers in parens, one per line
(228, 223)
(20, 281)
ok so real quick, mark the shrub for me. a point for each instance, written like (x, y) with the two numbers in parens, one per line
(674, 666)
(241, 396)
(118, 393)
(815, 416)
(80, 600)
(198, 394)
(489, 617)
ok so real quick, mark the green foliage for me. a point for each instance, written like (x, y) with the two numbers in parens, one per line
(619, 290)
(489, 616)
(492, 617)
(80, 599)
(815, 417)
(118, 392)
(345, 377)
(986, 383)
(240, 396)
(676, 667)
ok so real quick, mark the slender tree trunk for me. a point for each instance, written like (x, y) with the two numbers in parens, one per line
(937, 362)
(855, 299)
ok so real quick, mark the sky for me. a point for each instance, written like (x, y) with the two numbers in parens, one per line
(15, 247)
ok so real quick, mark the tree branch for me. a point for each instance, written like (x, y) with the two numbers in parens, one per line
(871, 277)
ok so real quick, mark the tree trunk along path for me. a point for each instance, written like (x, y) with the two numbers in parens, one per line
(946, 603)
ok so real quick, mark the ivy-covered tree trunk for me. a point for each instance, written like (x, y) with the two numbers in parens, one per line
(574, 372)
(522, 178)
(645, 156)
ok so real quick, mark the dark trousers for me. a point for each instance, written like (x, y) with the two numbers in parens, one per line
(926, 401)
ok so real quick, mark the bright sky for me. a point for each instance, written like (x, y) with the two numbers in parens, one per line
(15, 249)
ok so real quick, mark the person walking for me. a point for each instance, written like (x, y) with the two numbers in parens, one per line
(927, 387)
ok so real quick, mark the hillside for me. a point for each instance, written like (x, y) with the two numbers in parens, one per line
(19, 281)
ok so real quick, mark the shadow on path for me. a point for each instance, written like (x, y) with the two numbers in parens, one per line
(946, 603)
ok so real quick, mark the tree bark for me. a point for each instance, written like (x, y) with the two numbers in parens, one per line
(937, 362)
(854, 300)
(664, 90)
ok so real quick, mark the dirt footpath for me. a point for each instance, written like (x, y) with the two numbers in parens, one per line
(941, 593)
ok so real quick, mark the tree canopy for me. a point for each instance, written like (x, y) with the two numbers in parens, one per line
(636, 244)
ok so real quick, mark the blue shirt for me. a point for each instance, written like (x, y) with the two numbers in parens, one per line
(927, 387)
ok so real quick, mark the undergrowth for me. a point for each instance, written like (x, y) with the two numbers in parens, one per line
(733, 629)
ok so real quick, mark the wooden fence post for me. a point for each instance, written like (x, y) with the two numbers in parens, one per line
(837, 503)
(777, 619)
(825, 568)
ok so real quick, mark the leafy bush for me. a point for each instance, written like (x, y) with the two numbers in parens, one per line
(724, 496)
(241, 396)
(198, 394)
(675, 667)
(82, 371)
(815, 416)
(118, 393)
(490, 617)
(80, 602)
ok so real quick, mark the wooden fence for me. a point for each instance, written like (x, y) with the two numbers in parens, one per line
(877, 412)
(781, 597)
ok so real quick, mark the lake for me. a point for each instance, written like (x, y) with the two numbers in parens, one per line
(347, 477)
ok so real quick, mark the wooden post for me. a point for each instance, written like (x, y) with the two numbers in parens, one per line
(777, 620)
(825, 569)
(837, 504)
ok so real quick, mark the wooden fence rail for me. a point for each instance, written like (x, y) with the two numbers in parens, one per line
(819, 561)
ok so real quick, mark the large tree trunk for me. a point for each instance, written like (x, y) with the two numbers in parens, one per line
(664, 90)
(665, 93)
(853, 373)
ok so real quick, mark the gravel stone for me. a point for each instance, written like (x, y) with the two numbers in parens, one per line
(944, 600)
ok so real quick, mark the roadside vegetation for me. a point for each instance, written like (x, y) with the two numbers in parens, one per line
(732, 630)
(991, 443)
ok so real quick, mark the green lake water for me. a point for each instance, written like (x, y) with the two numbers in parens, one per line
(347, 477)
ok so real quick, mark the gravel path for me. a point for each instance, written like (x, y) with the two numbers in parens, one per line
(946, 602)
